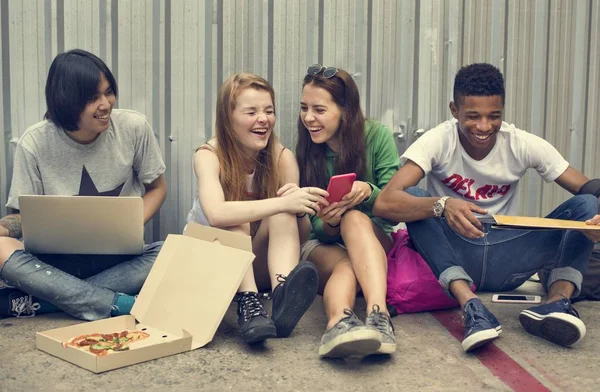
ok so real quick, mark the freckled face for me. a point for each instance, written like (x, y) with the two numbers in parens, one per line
(253, 119)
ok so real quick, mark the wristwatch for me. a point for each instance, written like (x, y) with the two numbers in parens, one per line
(439, 205)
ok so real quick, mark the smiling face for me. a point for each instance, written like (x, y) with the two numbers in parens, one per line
(479, 120)
(320, 115)
(95, 118)
(253, 119)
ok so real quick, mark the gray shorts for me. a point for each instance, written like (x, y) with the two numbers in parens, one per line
(310, 245)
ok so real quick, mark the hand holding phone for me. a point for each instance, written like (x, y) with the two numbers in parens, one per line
(332, 214)
(339, 186)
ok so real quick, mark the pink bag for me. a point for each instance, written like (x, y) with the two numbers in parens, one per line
(411, 285)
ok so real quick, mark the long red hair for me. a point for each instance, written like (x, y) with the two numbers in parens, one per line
(233, 170)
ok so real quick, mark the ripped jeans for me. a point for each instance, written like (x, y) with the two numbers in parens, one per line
(85, 286)
(503, 259)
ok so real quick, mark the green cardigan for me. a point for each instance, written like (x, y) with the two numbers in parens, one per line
(382, 163)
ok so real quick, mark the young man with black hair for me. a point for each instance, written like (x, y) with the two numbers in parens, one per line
(473, 165)
(84, 147)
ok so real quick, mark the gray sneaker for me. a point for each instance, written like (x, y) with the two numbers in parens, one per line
(349, 338)
(381, 322)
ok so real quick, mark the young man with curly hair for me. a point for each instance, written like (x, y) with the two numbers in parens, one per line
(474, 164)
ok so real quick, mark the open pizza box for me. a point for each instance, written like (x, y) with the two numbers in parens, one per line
(527, 222)
(180, 306)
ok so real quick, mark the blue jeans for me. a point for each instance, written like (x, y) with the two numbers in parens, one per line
(503, 259)
(85, 286)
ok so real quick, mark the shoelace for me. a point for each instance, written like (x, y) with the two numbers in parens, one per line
(570, 309)
(24, 306)
(249, 306)
(265, 296)
(351, 318)
(4, 285)
(474, 315)
(380, 320)
(281, 278)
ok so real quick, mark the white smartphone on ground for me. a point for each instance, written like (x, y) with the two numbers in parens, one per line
(516, 299)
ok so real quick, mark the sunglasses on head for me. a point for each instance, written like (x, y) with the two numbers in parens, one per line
(328, 72)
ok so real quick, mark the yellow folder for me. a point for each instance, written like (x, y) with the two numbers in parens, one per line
(541, 223)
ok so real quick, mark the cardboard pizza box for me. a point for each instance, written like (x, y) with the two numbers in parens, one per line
(526, 222)
(181, 304)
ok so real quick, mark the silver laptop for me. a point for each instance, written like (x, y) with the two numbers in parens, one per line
(82, 224)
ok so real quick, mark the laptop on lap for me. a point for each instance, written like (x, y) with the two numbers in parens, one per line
(102, 225)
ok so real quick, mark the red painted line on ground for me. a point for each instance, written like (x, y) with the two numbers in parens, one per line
(497, 361)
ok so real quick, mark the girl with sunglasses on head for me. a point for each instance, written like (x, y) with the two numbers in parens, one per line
(347, 243)
(247, 183)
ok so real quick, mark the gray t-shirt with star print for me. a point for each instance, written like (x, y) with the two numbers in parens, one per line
(118, 163)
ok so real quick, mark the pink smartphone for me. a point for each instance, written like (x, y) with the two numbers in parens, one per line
(339, 186)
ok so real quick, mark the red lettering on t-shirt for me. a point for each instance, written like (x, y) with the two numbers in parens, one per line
(458, 184)
(491, 192)
(453, 180)
(482, 192)
(468, 194)
(461, 186)
(503, 189)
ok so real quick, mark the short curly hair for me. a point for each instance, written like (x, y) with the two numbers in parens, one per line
(479, 79)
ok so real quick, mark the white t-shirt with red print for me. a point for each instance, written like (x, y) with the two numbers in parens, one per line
(491, 183)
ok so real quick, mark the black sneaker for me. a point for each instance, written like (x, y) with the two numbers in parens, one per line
(382, 323)
(15, 303)
(255, 324)
(556, 321)
(293, 296)
(481, 327)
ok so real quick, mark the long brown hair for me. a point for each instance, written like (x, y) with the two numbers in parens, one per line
(233, 169)
(351, 158)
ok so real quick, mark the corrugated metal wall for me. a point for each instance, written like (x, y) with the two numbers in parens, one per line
(170, 56)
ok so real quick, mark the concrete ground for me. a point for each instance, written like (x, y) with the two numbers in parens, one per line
(429, 358)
